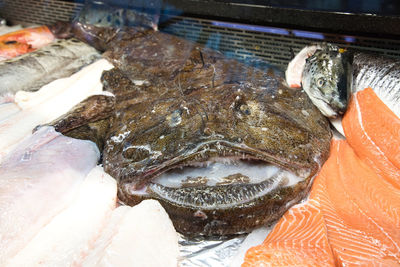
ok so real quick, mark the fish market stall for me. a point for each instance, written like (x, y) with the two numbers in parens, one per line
(199, 133)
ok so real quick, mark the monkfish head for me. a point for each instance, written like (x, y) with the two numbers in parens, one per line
(223, 146)
(221, 160)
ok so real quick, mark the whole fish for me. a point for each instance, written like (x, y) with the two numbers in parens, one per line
(223, 146)
(16, 43)
(329, 75)
(31, 71)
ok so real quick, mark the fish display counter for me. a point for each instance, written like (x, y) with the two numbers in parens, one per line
(209, 133)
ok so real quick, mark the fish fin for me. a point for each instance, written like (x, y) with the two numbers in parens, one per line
(87, 120)
(62, 29)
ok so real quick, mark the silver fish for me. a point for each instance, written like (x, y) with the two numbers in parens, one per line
(31, 71)
(326, 78)
(380, 73)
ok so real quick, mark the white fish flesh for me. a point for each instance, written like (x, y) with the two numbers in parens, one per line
(7, 110)
(46, 107)
(144, 236)
(31, 71)
(68, 237)
(37, 181)
(106, 236)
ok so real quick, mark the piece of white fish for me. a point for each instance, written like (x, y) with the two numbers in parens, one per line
(106, 236)
(7, 110)
(38, 180)
(144, 236)
(45, 107)
(67, 238)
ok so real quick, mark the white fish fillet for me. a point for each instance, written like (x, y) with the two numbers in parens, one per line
(67, 238)
(7, 110)
(59, 98)
(144, 237)
(37, 181)
(26, 99)
(106, 236)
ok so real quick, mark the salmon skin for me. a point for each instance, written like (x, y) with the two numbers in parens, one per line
(324, 72)
(31, 71)
(23, 41)
(382, 74)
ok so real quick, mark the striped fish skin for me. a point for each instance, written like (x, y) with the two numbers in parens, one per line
(382, 74)
(31, 71)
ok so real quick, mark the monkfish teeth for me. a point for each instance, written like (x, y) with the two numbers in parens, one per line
(221, 196)
(222, 171)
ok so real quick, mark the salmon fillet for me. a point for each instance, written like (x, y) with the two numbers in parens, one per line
(350, 219)
(350, 195)
(299, 239)
(373, 131)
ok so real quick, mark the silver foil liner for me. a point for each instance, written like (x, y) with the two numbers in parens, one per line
(218, 252)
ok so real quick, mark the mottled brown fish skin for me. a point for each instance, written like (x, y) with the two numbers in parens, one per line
(88, 120)
(178, 104)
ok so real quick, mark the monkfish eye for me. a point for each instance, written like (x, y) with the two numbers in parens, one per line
(320, 82)
(245, 109)
(136, 153)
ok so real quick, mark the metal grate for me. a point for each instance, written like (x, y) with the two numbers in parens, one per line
(267, 43)
(38, 11)
(243, 42)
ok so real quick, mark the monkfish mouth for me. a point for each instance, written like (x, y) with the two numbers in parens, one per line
(218, 183)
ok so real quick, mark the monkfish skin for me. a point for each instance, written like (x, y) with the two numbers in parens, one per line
(180, 104)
